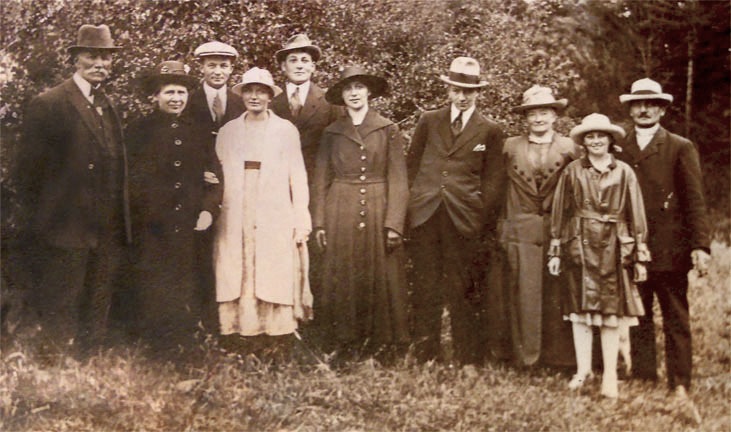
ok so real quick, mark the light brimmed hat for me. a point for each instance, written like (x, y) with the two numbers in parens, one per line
(540, 97)
(215, 48)
(464, 72)
(168, 72)
(376, 85)
(595, 122)
(92, 37)
(298, 42)
(646, 89)
(256, 75)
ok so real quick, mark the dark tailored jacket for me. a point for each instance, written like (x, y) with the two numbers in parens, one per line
(669, 173)
(315, 116)
(63, 172)
(465, 175)
(198, 110)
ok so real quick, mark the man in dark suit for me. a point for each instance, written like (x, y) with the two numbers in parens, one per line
(303, 102)
(454, 165)
(72, 182)
(210, 106)
(669, 173)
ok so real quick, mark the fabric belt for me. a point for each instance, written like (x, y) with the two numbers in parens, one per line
(604, 217)
(356, 180)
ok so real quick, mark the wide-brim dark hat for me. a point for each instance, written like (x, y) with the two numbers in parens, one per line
(299, 42)
(93, 38)
(168, 72)
(376, 85)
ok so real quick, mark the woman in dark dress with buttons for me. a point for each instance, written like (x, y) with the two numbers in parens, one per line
(174, 192)
(360, 200)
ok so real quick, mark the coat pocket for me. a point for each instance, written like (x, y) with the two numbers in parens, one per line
(574, 250)
(626, 250)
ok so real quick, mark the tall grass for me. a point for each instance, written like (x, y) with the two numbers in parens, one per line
(119, 389)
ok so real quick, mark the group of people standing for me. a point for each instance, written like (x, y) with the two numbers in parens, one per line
(253, 208)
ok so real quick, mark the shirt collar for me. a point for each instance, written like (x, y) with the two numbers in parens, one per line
(545, 139)
(211, 92)
(647, 131)
(84, 86)
(304, 90)
(454, 112)
(586, 163)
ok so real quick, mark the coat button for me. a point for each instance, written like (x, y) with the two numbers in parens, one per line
(362, 191)
(178, 207)
(362, 202)
(91, 166)
(362, 178)
(443, 186)
(178, 185)
(177, 163)
(177, 228)
(585, 241)
(363, 157)
(444, 173)
(174, 125)
(362, 213)
(361, 225)
(363, 169)
(362, 148)
(178, 142)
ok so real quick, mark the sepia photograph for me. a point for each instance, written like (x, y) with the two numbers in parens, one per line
(365, 215)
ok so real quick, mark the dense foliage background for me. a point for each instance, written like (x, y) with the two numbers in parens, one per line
(589, 51)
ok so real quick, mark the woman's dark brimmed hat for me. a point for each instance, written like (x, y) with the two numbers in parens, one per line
(376, 85)
(92, 37)
(168, 72)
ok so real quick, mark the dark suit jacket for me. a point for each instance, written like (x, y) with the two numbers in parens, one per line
(669, 173)
(198, 110)
(315, 116)
(63, 171)
(463, 175)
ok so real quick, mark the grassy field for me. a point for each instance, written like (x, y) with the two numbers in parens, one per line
(120, 390)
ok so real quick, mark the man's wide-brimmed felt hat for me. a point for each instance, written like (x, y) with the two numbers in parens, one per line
(299, 42)
(540, 97)
(168, 72)
(256, 75)
(215, 48)
(377, 86)
(595, 122)
(464, 72)
(92, 37)
(646, 89)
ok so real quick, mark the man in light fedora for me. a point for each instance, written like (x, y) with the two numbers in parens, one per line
(303, 103)
(72, 179)
(211, 105)
(669, 173)
(526, 308)
(454, 164)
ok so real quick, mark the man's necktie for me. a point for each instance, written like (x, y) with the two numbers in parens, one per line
(295, 105)
(457, 125)
(100, 100)
(218, 111)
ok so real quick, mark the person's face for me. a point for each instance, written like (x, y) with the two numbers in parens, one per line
(216, 70)
(597, 143)
(171, 98)
(646, 113)
(94, 66)
(355, 95)
(540, 120)
(298, 67)
(256, 97)
(462, 98)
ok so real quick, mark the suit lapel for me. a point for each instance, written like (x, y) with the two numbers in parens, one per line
(471, 129)
(88, 114)
(443, 128)
(280, 104)
(652, 148)
(312, 103)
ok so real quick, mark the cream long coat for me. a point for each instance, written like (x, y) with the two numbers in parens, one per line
(281, 208)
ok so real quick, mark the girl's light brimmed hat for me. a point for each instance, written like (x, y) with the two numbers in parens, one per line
(595, 122)
(256, 75)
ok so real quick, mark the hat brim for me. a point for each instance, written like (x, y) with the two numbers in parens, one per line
(238, 89)
(74, 48)
(578, 132)
(461, 84)
(657, 96)
(558, 104)
(312, 50)
(216, 54)
(152, 83)
(377, 86)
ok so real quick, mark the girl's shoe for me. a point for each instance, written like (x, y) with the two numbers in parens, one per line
(578, 380)
(609, 387)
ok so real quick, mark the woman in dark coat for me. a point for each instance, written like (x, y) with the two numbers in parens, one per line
(599, 236)
(360, 200)
(172, 195)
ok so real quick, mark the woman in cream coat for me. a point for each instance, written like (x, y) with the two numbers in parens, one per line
(260, 249)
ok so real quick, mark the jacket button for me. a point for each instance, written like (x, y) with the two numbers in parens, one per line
(443, 186)
(174, 125)
(177, 228)
(362, 212)
(362, 148)
(362, 178)
(363, 157)
(362, 169)
(177, 163)
(178, 185)
(362, 202)
(178, 207)
(362, 191)
(178, 142)
(91, 166)
(585, 241)
(361, 225)
(444, 173)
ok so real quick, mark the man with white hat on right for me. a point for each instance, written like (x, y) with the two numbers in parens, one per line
(454, 166)
(669, 173)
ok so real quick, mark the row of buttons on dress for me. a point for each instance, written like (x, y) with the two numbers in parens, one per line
(177, 164)
(361, 224)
